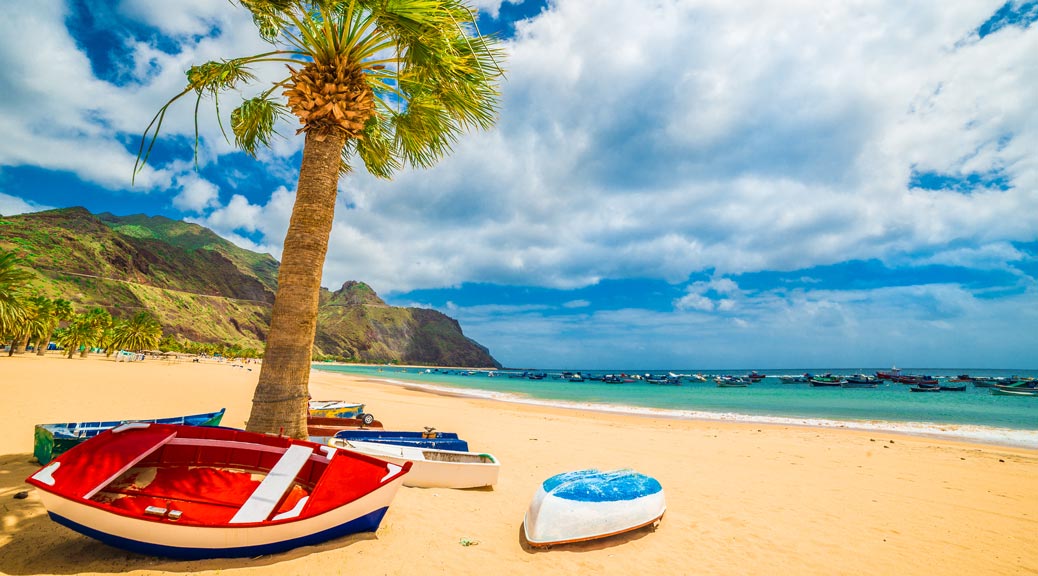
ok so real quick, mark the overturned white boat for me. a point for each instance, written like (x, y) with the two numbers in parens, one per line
(589, 504)
(431, 468)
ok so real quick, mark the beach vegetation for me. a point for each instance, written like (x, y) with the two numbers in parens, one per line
(387, 85)
(14, 307)
(142, 331)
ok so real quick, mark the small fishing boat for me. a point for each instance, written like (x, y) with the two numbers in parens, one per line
(732, 382)
(1015, 392)
(925, 389)
(49, 440)
(428, 439)
(1020, 388)
(339, 409)
(946, 388)
(793, 379)
(432, 468)
(199, 492)
(826, 380)
(589, 504)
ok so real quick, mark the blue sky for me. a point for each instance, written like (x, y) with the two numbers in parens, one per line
(687, 184)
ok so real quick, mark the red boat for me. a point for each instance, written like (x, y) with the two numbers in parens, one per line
(194, 492)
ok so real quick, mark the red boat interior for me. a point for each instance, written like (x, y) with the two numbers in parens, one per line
(203, 476)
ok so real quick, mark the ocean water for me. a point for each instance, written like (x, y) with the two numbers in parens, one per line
(974, 414)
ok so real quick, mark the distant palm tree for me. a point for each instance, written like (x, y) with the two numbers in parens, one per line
(34, 324)
(393, 83)
(141, 332)
(80, 333)
(13, 306)
(60, 310)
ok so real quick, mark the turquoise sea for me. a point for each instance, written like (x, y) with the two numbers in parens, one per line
(974, 414)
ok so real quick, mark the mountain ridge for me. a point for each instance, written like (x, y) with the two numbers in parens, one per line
(204, 288)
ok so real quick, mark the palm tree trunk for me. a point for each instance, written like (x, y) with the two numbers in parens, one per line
(279, 404)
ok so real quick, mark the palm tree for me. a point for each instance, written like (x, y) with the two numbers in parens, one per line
(35, 324)
(13, 306)
(60, 310)
(141, 332)
(100, 321)
(80, 332)
(391, 83)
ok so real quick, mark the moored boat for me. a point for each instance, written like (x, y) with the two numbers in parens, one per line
(432, 468)
(207, 492)
(1019, 388)
(589, 504)
(428, 439)
(826, 380)
(49, 440)
(1015, 392)
(925, 389)
(732, 382)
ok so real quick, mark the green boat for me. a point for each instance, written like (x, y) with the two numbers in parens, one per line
(53, 439)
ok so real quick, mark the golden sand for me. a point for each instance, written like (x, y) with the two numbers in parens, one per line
(741, 498)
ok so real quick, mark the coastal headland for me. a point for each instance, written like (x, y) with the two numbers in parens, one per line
(742, 498)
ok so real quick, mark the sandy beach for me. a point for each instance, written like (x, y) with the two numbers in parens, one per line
(742, 498)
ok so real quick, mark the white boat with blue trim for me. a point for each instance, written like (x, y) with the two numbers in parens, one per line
(589, 504)
(194, 492)
(431, 468)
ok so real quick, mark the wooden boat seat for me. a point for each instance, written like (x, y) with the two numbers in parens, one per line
(272, 489)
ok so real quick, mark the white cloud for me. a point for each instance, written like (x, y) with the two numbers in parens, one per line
(11, 205)
(722, 136)
(931, 325)
(196, 194)
(647, 140)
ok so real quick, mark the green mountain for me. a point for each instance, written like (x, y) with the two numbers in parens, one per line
(205, 289)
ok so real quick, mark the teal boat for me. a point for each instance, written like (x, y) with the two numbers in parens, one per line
(53, 439)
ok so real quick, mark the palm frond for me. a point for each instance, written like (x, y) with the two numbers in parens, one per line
(253, 122)
(376, 148)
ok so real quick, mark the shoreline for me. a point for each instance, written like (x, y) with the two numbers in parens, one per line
(972, 433)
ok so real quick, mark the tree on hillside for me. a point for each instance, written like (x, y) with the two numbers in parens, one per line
(389, 83)
(13, 307)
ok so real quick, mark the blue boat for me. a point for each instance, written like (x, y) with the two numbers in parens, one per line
(428, 439)
(589, 504)
(49, 440)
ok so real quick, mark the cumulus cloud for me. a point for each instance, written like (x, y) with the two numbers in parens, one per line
(652, 140)
(726, 137)
(773, 329)
(11, 205)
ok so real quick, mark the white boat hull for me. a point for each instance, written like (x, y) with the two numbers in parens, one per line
(186, 541)
(553, 520)
(432, 468)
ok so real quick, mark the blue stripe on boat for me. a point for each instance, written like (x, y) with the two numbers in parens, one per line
(367, 523)
(595, 486)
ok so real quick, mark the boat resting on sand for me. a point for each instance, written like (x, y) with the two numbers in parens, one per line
(428, 439)
(589, 504)
(432, 468)
(49, 440)
(321, 430)
(198, 492)
(339, 409)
